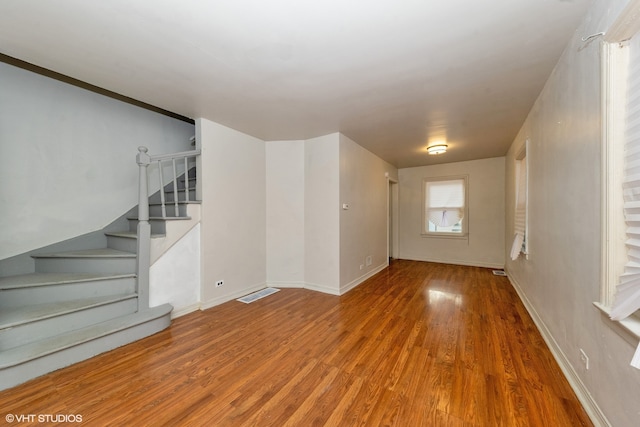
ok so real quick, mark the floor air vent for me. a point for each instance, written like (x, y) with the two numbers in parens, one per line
(257, 295)
(499, 273)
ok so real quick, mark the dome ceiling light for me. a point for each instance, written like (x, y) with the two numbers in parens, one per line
(437, 149)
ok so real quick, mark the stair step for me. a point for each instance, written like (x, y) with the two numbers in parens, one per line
(105, 260)
(155, 209)
(169, 196)
(41, 288)
(21, 325)
(180, 203)
(161, 218)
(22, 363)
(131, 235)
(126, 240)
(157, 223)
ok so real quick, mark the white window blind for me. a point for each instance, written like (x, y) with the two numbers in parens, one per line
(445, 202)
(627, 298)
(520, 218)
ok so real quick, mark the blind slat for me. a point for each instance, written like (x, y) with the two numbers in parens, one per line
(627, 299)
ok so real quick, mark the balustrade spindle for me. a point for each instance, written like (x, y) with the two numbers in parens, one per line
(144, 227)
(175, 189)
(186, 179)
(162, 197)
(143, 230)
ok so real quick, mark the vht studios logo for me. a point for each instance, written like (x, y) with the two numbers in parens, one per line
(43, 418)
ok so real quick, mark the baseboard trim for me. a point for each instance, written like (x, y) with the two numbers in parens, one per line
(349, 286)
(184, 310)
(327, 290)
(291, 285)
(304, 285)
(286, 285)
(230, 297)
(480, 264)
(590, 406)
(322, 288)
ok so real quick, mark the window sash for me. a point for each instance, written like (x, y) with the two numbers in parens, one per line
(445, 206)
(520, 217)
(627, 296)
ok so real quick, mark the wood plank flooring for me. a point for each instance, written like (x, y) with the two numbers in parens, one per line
(419, 344)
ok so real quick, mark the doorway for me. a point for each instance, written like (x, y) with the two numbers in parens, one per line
(392, 219)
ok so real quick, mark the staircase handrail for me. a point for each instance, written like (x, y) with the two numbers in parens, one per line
(171, 156)
(144, 228)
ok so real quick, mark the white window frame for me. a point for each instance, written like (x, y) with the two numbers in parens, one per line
(463, 234)
(615, 64)
(521, 160)
(613, 229)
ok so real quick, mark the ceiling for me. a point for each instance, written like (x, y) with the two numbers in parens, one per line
(393, 75)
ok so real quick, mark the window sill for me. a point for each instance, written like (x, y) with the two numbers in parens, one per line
(446, 236)
(628, 328)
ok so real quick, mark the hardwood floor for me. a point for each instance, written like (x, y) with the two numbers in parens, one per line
(419, 344)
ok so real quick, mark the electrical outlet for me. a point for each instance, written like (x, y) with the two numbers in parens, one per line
(368, 261)
(584, 358)
(219, 283)
(361, 266)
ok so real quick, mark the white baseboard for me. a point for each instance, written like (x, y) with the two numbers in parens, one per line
(230, 297)
(286, 285)
(481, 264)
(179, 312)
(321, 288)
(346, 288)
(291, 285)
(329, 290)
(590, 406)
(304, 285)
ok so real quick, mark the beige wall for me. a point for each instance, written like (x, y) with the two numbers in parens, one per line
(285, 213)
(363, 227)
(561, 278)
(321, 214)
(233, 225)
(484, 246)
(311, 241)
(271, 213)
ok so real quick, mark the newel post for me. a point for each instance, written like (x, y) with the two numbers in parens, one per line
(143, 230)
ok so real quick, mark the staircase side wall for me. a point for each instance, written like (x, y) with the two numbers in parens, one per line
(175, 277)
(67, 158)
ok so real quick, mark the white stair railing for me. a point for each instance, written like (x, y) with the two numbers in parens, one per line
(184, 158)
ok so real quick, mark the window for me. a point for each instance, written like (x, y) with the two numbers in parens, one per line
(445, 207)
(627, 295)
(520, 218)
(620, 291)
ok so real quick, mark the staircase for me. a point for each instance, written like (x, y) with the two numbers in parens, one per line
(80, 303)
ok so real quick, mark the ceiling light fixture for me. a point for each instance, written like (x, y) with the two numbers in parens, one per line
(437, 149)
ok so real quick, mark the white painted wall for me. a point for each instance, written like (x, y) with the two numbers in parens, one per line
(311, 241)
(561, 278)
(485, 244)
(175, 277)
(363, 227)
(322, 214)
(233, 217)
(59, 145)
(285, 162)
